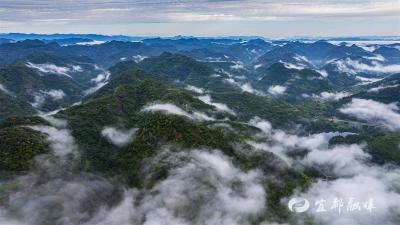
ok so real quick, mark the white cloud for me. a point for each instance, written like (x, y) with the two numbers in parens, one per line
(49, 68)
(331, 96)
(293, 66)
(38, 100)
(4, 89)
(277, 90)
(136, 58)
(53, 183)
(50, 113)
(77, 103)
(257, 66)
(139, 58)
(169, 108)
(281, 142)
(91, 43)
(232, 81)
(59, 123)
(118, 137)
(61, 140)
(256, 10)
(375, 112)
(323, 73)
(377, 89)
(354, 66)
(237, 65)
(76, 68)
(312, 142)
(55, 94)
(201, 116)
(248, 88)
(225, 72)
(278, 150)
(376, 57)
(96, 67)
(219, 106)
(100, 80)
(261, 124)
(55, 21)
(205, 189)
(366, 80)
(302, 58)
(195, 89)
(201, 187)
(380, 188)
(350, 176)
(340, 160)
(368, 48)
(101, 77)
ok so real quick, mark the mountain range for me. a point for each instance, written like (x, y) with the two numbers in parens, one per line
(122, 130)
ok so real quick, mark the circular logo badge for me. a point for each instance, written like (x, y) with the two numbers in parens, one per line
(298, 205)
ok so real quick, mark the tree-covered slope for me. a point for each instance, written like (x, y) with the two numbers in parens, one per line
(10, 106)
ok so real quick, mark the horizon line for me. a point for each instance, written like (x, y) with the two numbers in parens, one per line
(211, 36)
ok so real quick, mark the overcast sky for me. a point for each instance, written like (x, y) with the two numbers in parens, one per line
(269, 18)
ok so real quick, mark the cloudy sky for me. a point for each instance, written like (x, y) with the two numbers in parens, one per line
(270, 18)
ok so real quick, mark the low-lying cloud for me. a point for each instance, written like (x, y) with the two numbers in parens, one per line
(237, 66)
(323, 73)
(355, 66)
(245, 87)
(52, 191)
(293, 66)
(331, 96)
(99, 81)
(55, 94)
(4, 89)
(60, 139)
(49, 68)
(195, 89)
(281, 142)
(118, 137)
(202, 186)
(342, 160)
(367, 80)
(302, 58)
(219, 106)
(376, 57)
(248, 88)
(38, 100)
(277, 90)
(95, 42)
(169, 108)
(135, 58)
(375, 112)
(76, 68)
(377, 185)
(348, 176)
(379, 88)
(205, 189)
